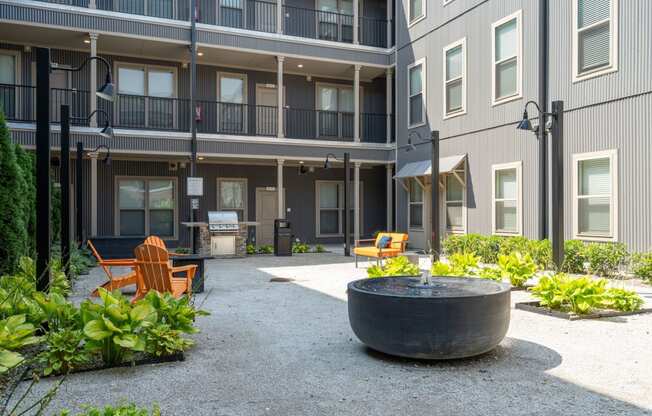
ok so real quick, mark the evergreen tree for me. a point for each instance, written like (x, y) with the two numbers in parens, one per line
(13, 232)
(27, 165)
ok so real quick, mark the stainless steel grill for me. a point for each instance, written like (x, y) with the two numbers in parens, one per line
(222, 221)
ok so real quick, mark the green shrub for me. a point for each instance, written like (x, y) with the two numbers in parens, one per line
(605, 258)
(319, 249)
(251, 249)
(183, 250)
(574, 257)
(64, 351)
(397, 266)
(510, 245)
(491, 273)
(266, 249)
(460, 264)
(517, 268)
(300, 248)
(15, 333)
(27, 164)
(162, 340)
(642, 266)
(121, 410)
(541, 252)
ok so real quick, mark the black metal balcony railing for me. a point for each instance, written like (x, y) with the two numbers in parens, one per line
(160, 113)
(258, 15)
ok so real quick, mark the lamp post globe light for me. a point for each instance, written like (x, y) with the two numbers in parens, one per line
(43, 223)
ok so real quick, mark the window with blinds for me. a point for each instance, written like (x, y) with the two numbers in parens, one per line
(595, 195)
(454, 204)
(507, 201)
(595, 36)
(416, 102)
(455, 78)
(507, 58)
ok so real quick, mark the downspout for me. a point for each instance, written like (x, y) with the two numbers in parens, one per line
(193, 116)
(543, 103)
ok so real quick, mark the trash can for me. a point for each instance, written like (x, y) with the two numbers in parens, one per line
(282, 238)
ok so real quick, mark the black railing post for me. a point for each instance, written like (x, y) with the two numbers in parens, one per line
(42, 168)
(557, 183)
(64, 180)
(79, 224)
(434, 197)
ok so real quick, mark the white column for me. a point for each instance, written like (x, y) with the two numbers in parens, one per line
(93, 194)
(279, 96)
(356, 21)
(390, 22)
(93, 82)
(279, 189)
(92, 4)
(279, 16)
(356, 103)
(356, 201)
(390, 199)
(390, 98)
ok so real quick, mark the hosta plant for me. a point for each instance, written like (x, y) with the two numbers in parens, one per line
(120, 410)
(178, 314)
(517, 268)
(491, 273)
(162, 340)
(460, 264)
(397, 266)
(15, 333)
(64, 351)
(622, 300)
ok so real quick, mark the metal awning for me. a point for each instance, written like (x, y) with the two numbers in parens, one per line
(424, 168)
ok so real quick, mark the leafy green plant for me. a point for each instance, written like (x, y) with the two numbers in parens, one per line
(319, 249)
(491, 273)
(183, 250)
(266, 249)
(162, 340)
(442, 269)
(605, 258)
(251, 249)
(115, 328)
(517, 267)
(57, 311)
(461, 264)
(642, 266)
(64, 351)
(397, 266)
(120, 410)
(179, 314)
(574, 257)
(15, 333)
(300, 248)
(622, 300)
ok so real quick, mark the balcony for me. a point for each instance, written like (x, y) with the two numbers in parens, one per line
(173, 114)
(258, 15)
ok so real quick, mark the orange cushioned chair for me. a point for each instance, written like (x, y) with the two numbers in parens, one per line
(396, 247)
(154, 272)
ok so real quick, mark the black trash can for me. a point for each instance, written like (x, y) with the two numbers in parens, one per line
(282, 238)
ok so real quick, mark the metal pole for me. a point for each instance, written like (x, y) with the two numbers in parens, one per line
(557, 183)
(64, 180)
(193, 118)
(346, 223)
(434, 197)
(42, 168)
(78, 194)
(543, 104)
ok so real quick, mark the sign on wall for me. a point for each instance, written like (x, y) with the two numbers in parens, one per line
(195, 186)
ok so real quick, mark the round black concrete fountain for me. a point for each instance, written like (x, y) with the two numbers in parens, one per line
(446, 318)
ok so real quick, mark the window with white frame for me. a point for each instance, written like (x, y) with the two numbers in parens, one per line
(8, 82)
(147, 206)
(232, 196)
(330, 208)
(507, 198)
(595, 195)
(595, 39)
(146, 96)
(415, 202)
(455, 204)
(507, 56)
(416, 94)
(232, 108)
(455, 78)
(416, 10)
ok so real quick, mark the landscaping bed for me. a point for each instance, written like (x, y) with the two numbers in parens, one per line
(535, 306)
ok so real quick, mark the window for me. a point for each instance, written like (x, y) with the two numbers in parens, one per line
(455, 79)
(595, 38)
(146, 96)
(415, 211)
(147, 207)
(232, 13)
(232, 196)
(416, 10)
(335, 115)
(8, 81)
(232, 108)
(155, 8)
(416, 94)
(330, 208)
(507, 199)
(595, 195)
(335, 20)
(506, 55)
(455, 204)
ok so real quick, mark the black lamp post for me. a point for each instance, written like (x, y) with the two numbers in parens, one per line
(347, 208)
(43, 225)
(64, 179)
(557, 171)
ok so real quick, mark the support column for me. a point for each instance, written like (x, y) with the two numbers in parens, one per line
(279, 189)
(279, 97)
(93, 81)
(390, 197)
(279, 16)
(92, 4)
(390, 22)
(390, 97)
(356, 201)
(356, 103)
(93, 157)
(356, 21)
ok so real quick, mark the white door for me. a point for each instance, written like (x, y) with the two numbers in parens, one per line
(266, 110)
(266, 213)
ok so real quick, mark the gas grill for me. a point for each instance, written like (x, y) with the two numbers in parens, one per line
(223, 221)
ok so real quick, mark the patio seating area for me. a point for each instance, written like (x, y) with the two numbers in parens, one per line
(287, 349)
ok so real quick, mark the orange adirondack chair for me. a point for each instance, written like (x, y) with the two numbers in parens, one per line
(154, 240)
(115, 281)
(154, 272)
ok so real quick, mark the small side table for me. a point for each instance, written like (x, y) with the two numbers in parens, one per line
(197, 260)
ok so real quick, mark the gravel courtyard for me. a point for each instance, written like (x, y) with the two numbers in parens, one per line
(287, 349)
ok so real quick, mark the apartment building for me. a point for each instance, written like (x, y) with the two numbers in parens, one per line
(468, 67)
(369, 78)
(261, 148)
